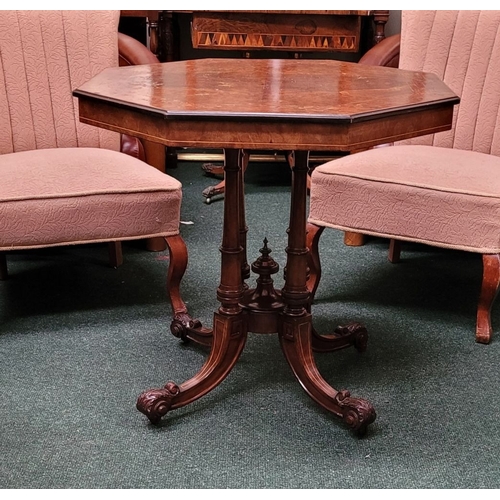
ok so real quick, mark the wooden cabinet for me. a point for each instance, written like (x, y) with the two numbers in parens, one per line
(248, 32)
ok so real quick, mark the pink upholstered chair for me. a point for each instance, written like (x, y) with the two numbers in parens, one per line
(63, 182)
(443, 189)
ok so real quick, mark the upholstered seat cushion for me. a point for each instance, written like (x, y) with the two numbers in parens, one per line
(65, 196)
(439, 196)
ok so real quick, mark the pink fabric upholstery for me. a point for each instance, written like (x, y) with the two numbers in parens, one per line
(44, 55)
(441, 189)
(439, 196)
(83, 195)
(63, 182)
(463, 49)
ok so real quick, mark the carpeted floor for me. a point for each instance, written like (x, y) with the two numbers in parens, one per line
(79, 341)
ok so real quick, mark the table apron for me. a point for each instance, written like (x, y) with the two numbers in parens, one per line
(258, 133)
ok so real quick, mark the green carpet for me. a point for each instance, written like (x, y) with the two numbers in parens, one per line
(79, 341)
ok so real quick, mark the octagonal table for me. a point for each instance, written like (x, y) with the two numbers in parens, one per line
(275, 104)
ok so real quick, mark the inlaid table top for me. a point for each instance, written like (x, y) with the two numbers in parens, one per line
(332, 101)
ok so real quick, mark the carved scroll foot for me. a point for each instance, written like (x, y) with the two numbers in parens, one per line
(296, 342)
(357, 413)
(213, 169)
(211, 191)
(352, 334)
(230, 333)
(186, 328)
(155, 403)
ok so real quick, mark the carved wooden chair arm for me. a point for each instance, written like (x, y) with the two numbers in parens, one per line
(385, 53)
(132, 52)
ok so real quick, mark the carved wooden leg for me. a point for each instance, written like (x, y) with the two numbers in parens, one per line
(230, 324)
(231, 288)
(245, 268)
(313, 233)
(229, 339)
(183, 325)
(3, 266)
(295, 340)
(352, 334)
(295, 329)
(115, 254)
(289, 155)
(489, 291)
(394, 251)
(212, 191)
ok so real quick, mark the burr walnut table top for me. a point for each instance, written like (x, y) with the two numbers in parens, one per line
(268, 103)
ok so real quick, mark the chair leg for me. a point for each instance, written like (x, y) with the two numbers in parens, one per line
(489, 291)
(183, 326)
(3, 266)
(156, 244)
(394, 251)
(354, 239)
(177, 267)
(115, 254)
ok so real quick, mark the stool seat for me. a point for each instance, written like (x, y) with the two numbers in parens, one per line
(66, 196)
(438, 196)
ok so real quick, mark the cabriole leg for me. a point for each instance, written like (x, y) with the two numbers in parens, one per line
(489, 291)
(183, 325)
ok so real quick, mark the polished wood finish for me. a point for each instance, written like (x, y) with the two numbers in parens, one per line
(353, 239)
(313, 234)
(394, 251)
(489, 292)
(287, 105)
(385, 53)
(301, 105)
